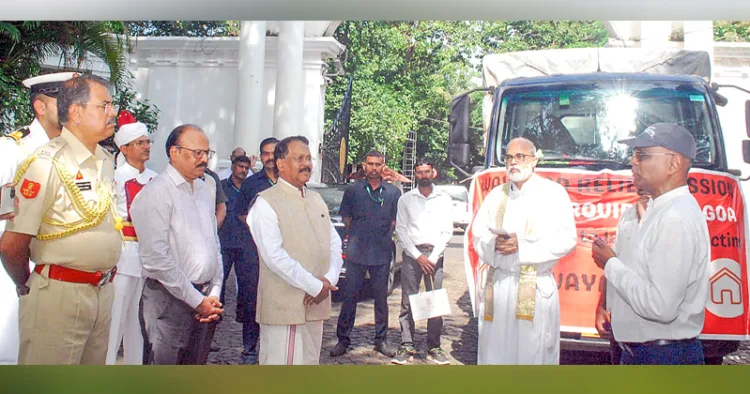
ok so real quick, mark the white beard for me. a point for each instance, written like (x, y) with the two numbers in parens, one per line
(523, 173)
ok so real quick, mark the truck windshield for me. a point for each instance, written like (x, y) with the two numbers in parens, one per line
(581, 124)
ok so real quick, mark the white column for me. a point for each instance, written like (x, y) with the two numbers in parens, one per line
(699, 36)
(249, 108)
(290, 81)
(655, 34)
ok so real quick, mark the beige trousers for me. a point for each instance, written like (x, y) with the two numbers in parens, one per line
(291, 345)
(64, 323)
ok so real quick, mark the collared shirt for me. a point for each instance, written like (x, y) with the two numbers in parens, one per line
(661, 289)
(234, 233)
(424, 220)
(212, 180)
(250, 188)
(45, 207)
(178, 239)
(372, 213)
(264, 225)
(627, 227)
(13, 153)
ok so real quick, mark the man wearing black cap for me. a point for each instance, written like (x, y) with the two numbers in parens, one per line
(14, 149)
(661, 288)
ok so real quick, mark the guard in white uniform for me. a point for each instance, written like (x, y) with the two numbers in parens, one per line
(14, 149)
(130, 177)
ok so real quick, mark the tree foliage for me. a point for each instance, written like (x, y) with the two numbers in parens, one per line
(184, 28)
(406, 73)
(25, 45)
(733, 31)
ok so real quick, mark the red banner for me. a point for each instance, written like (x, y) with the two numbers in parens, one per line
(599, 198)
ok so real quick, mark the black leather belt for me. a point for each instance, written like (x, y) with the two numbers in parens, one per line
(628, 346)
(425, 247)
(202, 287)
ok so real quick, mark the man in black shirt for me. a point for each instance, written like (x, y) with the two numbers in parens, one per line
(368, 209)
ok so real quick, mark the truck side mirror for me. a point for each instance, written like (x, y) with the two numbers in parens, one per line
(458, 137)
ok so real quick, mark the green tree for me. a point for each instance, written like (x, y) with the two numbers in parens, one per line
(407, 72)
(24, 45)
(733, 31)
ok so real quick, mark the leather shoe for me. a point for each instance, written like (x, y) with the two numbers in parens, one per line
(386, 349)
(338, 350)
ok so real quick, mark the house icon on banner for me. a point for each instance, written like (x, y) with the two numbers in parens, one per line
(726, 289)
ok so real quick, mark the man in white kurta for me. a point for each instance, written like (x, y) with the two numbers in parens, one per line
(14, 149)
(130, 177)
(538, 219)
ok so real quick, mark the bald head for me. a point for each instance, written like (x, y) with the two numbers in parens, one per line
(522, 144)
(237, 152)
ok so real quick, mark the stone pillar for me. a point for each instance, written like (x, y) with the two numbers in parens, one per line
(250, 92)
(290, 81)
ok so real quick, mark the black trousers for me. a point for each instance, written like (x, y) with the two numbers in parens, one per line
(355, 278)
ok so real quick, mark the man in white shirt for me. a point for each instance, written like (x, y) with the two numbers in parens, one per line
(626, 230)
(424, 227)
(174, 216)
(14, 149)
(661, 285)
(521, 230)
(131, 176)
(300, 260)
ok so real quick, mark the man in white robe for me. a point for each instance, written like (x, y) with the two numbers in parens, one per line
(537, 229)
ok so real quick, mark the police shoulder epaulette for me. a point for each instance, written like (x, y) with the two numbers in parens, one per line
(52, 148)
(19, 134)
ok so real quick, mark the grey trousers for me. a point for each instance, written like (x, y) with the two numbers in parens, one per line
(411, 277)
(173, 333)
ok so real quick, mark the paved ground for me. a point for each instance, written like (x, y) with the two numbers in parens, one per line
(459, 329)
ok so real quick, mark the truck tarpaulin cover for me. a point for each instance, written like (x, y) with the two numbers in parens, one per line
(500, 67)
(599, 198)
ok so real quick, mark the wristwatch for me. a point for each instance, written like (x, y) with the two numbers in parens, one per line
(22, 290)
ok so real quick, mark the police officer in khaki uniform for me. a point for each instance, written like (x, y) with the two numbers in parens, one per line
(67, 222)
(15, 147)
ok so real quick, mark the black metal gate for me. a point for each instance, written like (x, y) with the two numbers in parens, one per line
(336, 143)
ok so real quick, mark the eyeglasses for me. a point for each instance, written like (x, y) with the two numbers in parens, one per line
(519, 157)
(140, 143)
(640, 155)
(198, 153)
(107, 106)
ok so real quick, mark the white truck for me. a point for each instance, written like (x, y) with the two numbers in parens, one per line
(575, 104)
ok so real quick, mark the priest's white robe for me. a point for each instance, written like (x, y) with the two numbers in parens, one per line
(541, 215)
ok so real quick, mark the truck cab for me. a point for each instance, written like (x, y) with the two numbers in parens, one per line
(576, 120)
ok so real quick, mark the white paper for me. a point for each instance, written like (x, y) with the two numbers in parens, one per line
(429, 304)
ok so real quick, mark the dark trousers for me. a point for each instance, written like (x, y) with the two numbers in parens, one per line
(173, 333)
(245, 263)
(615, 352)
(683, 352)
(355, 279)
(411, 276)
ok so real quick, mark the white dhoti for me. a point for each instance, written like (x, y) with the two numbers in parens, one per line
(541, 216)
(291, 345)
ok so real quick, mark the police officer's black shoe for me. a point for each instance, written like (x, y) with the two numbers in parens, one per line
(338, 350)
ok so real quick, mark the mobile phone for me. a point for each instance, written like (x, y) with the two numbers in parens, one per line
(7, 195)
